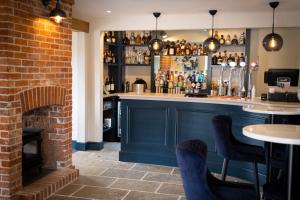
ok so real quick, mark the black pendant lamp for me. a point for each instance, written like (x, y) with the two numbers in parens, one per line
(273, 41)
(156, 45)
(211, 44)
(57, 14)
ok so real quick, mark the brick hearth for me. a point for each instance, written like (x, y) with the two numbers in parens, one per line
(35, 59)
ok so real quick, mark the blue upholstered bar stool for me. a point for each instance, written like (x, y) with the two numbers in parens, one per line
(232, 149)
(199, 184)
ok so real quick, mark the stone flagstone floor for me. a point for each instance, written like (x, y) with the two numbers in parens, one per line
(103, 177)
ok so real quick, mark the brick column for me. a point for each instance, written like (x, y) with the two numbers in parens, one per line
(34, 51)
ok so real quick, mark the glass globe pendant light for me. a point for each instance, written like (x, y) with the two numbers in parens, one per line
(156, 45)
(273, 41)
(211, 44)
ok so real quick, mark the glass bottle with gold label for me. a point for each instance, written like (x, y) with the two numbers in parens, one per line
(228, 40)
(138, 39)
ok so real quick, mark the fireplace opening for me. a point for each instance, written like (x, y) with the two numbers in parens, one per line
(39, 157)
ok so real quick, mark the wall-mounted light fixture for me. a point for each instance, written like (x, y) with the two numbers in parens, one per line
(57, 14)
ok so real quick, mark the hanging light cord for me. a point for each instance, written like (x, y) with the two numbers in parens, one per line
(273, 20)
(156, 29)
(212, 26)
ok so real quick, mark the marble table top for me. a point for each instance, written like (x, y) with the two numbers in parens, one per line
(276, 133)
(272, 110)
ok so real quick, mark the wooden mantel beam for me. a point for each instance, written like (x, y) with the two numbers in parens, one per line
(69, 1)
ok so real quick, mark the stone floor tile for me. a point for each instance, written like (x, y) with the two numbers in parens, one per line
(101, 193)
(111, 164)
(94, 181)
(134, 195)
(135, 185)
(121, 173)
(59, 197)
(152, 168)
(91, 170)
(168, 188)
(69, 189)
(159, 177)
(176, 171)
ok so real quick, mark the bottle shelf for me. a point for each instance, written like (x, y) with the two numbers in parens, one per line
(137, 64)
(135, 45)
(111, 44)
(183, 55)
(111, 64)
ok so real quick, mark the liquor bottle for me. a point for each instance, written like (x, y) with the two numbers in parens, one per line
(214, 60)
(171, 77)
(224, 58)
(107, 85)
(235, 40)
(216, 36)
(182, 47)
(108, 39)
(138, 39)
(113, 58)
(112, 85)
(177, 49)
(188, 50)
(180, 80)
(144, 38)
(228, 40)
(242, 57)
(236, 58)
(132, 38)
(193, 78)
(242, 39)
(175, 79)
(200, 50)
(147, 57)
(126, 40)
(194, 49)
(166, 49)
(172, 49)
(105, 37)
(219, 62)
(222, 40)
(113, 38)
(230, 59)
(149, 37)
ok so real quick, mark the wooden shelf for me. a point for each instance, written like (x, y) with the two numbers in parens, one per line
(137, 64)
(183, 55)
(112, 64)
(111, 44)
(135, 45)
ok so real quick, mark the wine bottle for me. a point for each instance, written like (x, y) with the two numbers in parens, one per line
(107, 84)
(113, 38)
(112, 85)
(105, 37)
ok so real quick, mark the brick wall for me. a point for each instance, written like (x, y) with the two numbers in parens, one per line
(34, 51)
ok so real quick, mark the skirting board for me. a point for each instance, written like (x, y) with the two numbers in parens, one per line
(81, 146)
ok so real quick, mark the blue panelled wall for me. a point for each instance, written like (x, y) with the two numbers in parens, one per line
(152, 129)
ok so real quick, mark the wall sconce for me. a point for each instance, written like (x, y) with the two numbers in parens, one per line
(57, 14)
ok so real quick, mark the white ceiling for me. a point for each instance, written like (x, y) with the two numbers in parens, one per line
(92, 9)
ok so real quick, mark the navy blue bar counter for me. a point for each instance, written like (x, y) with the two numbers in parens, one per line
(152, 129)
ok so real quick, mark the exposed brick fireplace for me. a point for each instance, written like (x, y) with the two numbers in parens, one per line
(35, 76)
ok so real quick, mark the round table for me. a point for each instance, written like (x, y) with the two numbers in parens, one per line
(272, 110)
(277, 133)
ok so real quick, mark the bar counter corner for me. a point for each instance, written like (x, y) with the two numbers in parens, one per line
(152, 125)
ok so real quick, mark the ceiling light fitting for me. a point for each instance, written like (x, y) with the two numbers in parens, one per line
(273, 41)
(156, 45)
(57, 14)
(211, 44)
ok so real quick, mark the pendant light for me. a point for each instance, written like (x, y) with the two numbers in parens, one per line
(156, 45)
(57, 14)
(211, 44)
(273, 41)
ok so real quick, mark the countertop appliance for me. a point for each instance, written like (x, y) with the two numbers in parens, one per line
(283, 79)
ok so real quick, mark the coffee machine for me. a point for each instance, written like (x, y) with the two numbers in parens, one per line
(280, 82)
